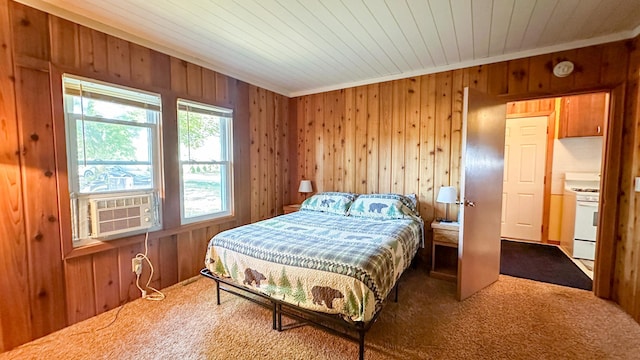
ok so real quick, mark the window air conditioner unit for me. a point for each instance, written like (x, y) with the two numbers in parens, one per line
(111, 216)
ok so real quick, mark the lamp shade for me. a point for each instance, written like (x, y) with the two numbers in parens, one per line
(447, 195)
(305, 186)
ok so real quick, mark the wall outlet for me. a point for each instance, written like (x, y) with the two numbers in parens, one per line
(136, 266)
(637, 184)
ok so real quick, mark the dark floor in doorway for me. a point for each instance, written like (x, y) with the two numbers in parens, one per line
(541, 263)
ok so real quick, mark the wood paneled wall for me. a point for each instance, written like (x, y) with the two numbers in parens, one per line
(404, 136)
(626, 281)
(47, 286)
(269, 155)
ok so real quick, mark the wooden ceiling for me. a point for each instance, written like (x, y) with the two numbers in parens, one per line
(297, 47)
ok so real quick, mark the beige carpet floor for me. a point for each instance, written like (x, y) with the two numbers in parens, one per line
(512, 319)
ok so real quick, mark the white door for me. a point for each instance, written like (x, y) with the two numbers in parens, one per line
(483, 127)
(524, 168)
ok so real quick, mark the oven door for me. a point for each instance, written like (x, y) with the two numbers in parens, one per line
(586, 220)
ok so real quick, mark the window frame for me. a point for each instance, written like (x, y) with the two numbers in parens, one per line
(226, 144)
(78, 198)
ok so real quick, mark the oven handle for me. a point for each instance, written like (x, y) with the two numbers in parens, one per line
(587, 204)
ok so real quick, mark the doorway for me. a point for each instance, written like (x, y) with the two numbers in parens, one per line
(535, 200)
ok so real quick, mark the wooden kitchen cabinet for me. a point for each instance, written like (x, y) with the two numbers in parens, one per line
(582, 115)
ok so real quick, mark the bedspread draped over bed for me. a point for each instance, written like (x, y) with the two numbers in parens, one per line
(324, 262)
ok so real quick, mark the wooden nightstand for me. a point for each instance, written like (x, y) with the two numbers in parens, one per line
(288, 209)
(445, 239)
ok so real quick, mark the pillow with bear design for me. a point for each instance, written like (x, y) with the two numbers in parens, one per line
(383, 206)
(329, 202)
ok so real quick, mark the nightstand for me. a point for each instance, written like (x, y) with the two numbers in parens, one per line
(445, 244)
(288, 209)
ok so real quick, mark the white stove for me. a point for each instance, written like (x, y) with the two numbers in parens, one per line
(580, 213)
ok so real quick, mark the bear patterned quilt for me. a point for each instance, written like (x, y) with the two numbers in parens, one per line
(319, 261)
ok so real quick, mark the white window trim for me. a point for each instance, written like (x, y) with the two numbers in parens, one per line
(227, 146)
(78, 198)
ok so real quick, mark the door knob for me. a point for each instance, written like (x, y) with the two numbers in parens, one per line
(469, 203)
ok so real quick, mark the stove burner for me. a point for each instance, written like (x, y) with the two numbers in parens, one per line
(585, 190)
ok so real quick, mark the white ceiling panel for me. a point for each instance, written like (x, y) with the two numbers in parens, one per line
(500, 21)
(407, 22)
(537, 23)
(428, 31)
(443, 19)
(518, 24)
(557, 22)
(463, 25)
(481, 19)
(297, 47)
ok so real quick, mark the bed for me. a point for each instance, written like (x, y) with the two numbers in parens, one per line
(339, 257)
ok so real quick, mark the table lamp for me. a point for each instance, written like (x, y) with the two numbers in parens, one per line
(447, 195)
(305, 187)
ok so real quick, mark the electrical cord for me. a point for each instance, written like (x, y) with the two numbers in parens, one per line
(157, 295)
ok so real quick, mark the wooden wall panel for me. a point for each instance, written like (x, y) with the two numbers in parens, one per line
(200, 238)
(328, 144)
(349, 140)
(263, 127)
(50, 290)
(15, 314)
(318, 139)
(30, 30)
(398, 117)
(270, 137)
(194, 80)
(178, 75)
(79, 283)
(268, 124)
(241, 152)
(338, 139)
(384, 137)
(373, 138)
(106, 272)
(412, 137)
(361, 136)
(588, 73)
(118, 58)
(93, 50)
(65, 43)
(299, 145)
(427, 146)
(626, 283)
(168, 254)
(442, 165)
(539, 76)
(254, 157)
(222, 89)
(161, 70)
(186, 249)
(141, 70)
(40, 202)
(309, 128)
(456, 134)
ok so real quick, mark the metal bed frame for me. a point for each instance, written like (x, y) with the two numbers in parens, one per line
(326, 322)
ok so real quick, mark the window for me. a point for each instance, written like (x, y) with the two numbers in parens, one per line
(113, 155)
(204, 134)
